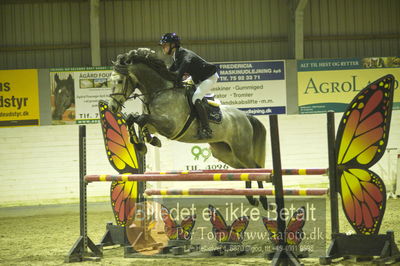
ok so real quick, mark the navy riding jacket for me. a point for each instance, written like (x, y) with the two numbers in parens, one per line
(186, 61)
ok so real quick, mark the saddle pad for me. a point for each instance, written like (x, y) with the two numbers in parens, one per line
(214, 112)
(214, 102)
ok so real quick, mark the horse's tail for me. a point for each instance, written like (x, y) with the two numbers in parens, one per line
(259, 139)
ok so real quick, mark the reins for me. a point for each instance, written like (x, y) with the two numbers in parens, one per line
(152, 96)
(141, 96)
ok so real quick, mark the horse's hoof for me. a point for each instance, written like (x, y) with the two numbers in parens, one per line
(140, 146)
(155, 142)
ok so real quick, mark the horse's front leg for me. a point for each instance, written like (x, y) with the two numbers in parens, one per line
(134, 139)
(140, 120)
(161, 124)
(143, 120)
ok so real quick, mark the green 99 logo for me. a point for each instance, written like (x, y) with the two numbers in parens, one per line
(198, 152)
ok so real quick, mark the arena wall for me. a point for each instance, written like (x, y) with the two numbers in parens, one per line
(39, 165)
(56, 33)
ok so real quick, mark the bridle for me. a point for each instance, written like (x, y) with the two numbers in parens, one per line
(128, 80)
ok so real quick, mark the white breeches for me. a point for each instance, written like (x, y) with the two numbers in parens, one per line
(204, 87)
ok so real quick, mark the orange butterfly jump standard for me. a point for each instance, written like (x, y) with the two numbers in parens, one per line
(360, 142)
(122, 156)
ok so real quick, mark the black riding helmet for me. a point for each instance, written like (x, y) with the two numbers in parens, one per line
(171, 38)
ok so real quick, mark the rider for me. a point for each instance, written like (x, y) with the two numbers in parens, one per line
(203, 74)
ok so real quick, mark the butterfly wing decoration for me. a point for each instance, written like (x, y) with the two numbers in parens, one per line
(186, 227)
(360, 142)
(120, 151)
(220, 230)
(170, 225)
(272, 229)
(122, 156)
(175, 231)
(238, 228)
(294, 229)
(123, 200)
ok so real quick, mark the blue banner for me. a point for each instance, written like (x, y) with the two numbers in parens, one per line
(258, 88)
(251, 71)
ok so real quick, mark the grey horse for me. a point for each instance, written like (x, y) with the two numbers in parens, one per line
(238, 141)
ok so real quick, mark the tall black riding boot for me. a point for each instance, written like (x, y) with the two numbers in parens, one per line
(204, 131)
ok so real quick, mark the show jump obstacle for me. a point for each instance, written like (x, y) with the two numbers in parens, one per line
(80, 251)
(360, 142)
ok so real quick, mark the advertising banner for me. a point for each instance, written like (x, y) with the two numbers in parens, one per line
(77, 91)
(19, 98)
(256, 87)
(331, 84)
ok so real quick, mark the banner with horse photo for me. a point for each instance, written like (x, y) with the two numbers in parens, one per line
(331, 84)
(75, 93)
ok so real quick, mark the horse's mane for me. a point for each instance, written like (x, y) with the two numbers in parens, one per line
(145, 56)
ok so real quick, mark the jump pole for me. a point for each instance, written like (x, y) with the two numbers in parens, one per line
(316, 171)
(236, 192)
(178, 177)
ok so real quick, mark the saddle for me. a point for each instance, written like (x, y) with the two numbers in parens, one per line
(212, 104)
(214, 113)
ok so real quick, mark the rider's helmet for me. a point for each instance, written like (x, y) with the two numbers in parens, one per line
(170, 38)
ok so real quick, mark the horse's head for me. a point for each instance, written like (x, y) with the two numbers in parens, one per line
(140, 69)
(123, 88)
(63, 95)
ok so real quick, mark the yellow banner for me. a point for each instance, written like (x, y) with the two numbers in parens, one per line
(320, 91)
(19, 97)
